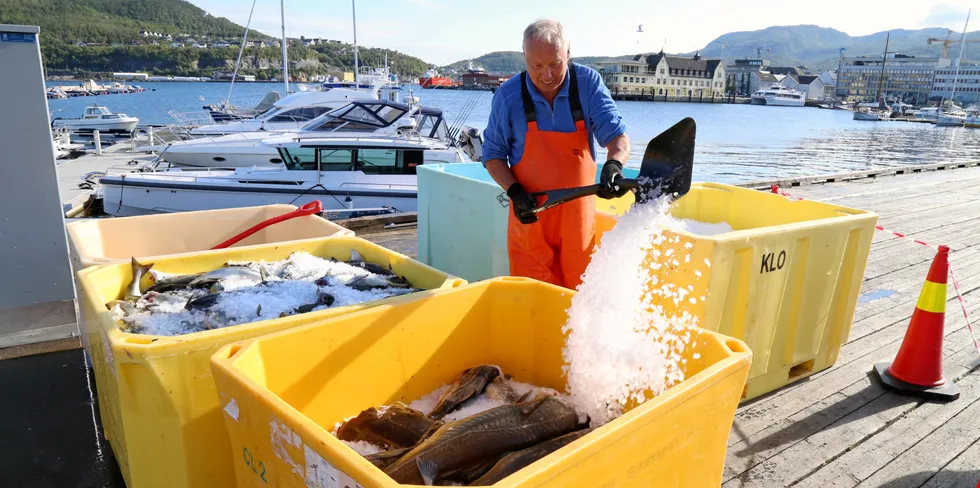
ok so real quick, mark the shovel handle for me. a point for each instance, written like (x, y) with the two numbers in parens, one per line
(309, 209)
(554, 198)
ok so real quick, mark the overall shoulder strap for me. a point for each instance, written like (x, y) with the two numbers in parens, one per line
(529, 112)
(573, 98)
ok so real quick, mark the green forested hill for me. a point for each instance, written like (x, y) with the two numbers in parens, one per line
(115, 25)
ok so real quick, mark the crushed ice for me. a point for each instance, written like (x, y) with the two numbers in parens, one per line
(621, 346)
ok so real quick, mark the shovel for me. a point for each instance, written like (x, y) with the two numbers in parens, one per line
(667, 167)
(309, 209)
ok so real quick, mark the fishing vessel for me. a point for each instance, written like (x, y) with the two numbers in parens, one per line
(779, 95)
(346, 174)
(363, 118)
(433, 80)
(98, 118)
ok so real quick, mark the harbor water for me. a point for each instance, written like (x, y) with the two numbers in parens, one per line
(735, 143)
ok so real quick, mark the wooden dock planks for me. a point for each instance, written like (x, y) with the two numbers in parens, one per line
(839, 427)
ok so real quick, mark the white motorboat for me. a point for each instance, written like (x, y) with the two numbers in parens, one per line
(347, 174)
(363, 117)
(98, 118)
(779, 95)
(951, 119)
(872, 114)
(290, 112)
(927, 113)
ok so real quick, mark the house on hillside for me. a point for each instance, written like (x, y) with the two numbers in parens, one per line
(659, 74)
(221, 44)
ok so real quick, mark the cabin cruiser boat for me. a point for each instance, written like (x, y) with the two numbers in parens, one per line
(873, 114)
(927, 113)
(98, 118)
(955, 118)
(345, 172)
(223, 112)
(779, 95)
(363, 117)
(290, 112)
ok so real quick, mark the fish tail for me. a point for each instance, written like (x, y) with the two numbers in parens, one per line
(428, 470)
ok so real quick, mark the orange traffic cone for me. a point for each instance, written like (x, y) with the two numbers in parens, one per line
(918, 367)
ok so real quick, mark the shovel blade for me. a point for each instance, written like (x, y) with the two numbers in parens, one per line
(668, 163)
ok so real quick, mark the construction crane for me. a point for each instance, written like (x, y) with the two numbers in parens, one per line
(948, 42)
(758, 49)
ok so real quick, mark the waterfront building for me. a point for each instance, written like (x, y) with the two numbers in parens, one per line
(760, 80)
(906, 78)
(967, 85)
(659, 74)
(739, 74)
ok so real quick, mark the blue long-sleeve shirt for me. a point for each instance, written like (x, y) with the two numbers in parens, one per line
(504, 136)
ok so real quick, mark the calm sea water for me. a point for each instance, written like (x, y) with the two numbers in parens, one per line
(735, 143)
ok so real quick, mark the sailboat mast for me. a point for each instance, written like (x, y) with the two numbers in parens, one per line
(952, 96)
(881, 78)
(357, 80)
(285, 59)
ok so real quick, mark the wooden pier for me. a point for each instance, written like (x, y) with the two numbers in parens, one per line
(839, 428)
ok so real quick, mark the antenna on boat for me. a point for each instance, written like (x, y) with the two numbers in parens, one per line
(285, 59)
(357, 80)
(240, 50)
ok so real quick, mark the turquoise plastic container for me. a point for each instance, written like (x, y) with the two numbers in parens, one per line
(462, 227)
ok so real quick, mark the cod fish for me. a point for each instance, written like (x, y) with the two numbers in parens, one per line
(458, 446)
(211, 278)
(514, 461)
(357, 260)
(470, 385)
(384, 459)
(133, 292)
(499, 390)
(371, 282)
(392, 427)
(171, 283)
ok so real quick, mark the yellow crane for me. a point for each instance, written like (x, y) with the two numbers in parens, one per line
(948, 42)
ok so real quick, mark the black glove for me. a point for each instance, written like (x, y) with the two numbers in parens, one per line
(522, 201)
(611, 171)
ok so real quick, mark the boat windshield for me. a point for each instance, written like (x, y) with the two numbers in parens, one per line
(358, 116)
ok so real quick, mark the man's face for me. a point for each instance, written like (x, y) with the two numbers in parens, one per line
(545, 65)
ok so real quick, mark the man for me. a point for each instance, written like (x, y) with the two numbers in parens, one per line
(541, 136)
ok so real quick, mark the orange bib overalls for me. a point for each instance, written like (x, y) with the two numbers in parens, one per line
(557, 248)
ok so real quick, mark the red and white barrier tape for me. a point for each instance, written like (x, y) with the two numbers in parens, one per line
(956, 284)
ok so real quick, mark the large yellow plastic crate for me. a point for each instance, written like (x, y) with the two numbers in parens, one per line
(93, 242)
(282, 394)
(786, 280)
(156, 395)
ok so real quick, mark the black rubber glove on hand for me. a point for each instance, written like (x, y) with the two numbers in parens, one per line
(611, 171)
(522, 201)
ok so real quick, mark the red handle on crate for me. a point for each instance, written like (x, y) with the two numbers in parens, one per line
(310, 208)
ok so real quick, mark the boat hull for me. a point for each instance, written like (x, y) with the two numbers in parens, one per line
(123, 126)
(950, 121)
(777, 102)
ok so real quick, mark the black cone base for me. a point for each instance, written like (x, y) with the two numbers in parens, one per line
(945, 393)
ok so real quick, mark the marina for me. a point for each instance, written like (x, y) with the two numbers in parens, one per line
(322, 283)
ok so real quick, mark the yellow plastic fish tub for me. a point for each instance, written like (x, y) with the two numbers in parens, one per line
(786, 280)
(93, 242)
(283, 393)
(156, 395)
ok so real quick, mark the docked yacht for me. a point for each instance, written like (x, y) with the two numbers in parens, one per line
(290, 112)
(927, 113)
(779, 95)
(954, 118)
(98, 118)
(363, 117)
(346, 173)
(872, 114)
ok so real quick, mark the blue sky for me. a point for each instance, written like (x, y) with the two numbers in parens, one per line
(444, 31)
